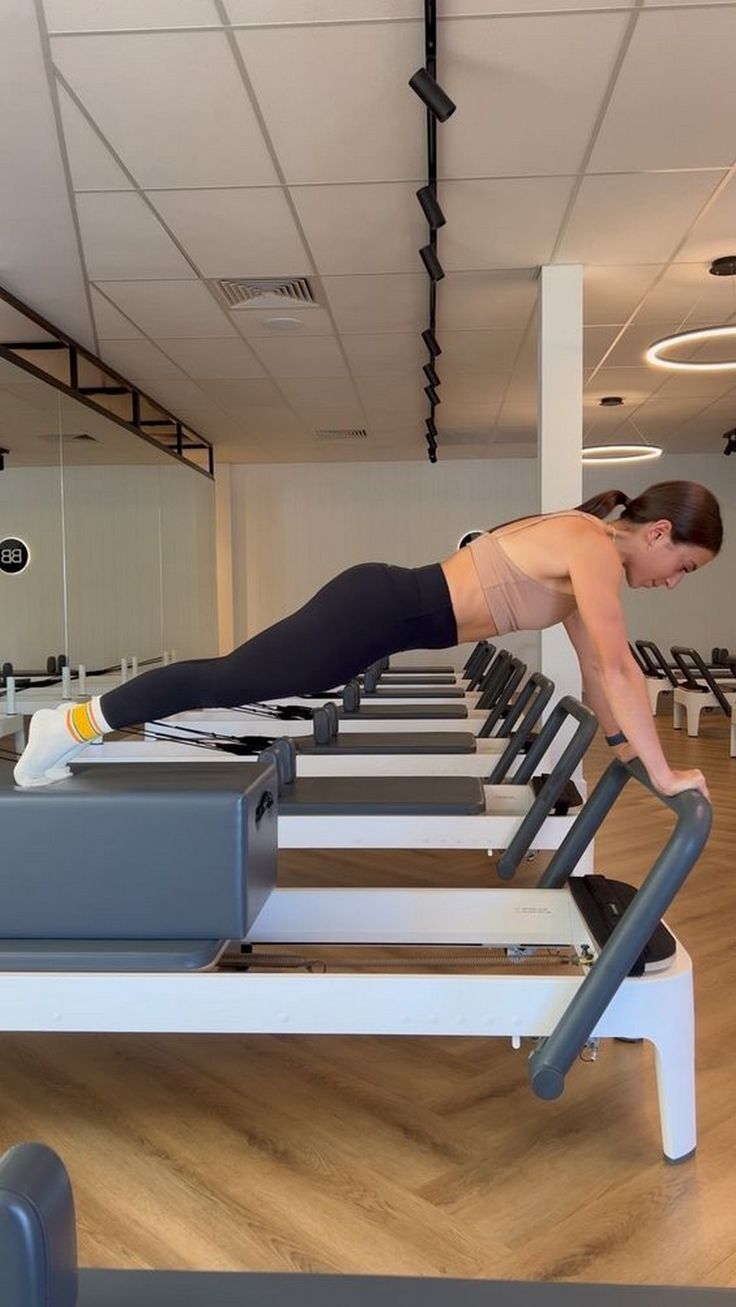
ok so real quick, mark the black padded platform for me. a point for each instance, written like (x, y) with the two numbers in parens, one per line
(131, 853)
(203, 1289)
(398, 742)
(382, 796)
(410, 712)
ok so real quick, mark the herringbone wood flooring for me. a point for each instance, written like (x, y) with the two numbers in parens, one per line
(423, 1156)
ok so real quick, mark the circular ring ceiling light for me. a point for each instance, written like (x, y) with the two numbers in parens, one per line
(696, 337)
(620, 453)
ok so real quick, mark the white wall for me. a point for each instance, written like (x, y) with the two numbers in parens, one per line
(701, 611)
(133, 535)
(296, 525)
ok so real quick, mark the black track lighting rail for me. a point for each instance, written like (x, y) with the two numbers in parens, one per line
(439, 107)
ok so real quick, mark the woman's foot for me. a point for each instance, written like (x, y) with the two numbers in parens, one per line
(50, 746)
(55, 737)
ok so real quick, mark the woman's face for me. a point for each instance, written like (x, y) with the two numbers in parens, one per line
(652, 560)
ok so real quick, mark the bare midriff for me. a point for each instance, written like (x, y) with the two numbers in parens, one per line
(468, 601)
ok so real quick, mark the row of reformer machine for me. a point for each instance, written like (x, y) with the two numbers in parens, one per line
(180, 925)
(696, 685)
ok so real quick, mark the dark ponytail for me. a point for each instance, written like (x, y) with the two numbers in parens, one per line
(604, 503)
(690, 507)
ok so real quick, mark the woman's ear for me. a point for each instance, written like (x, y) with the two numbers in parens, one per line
(660, 530)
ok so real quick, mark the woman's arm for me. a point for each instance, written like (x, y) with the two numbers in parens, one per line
(614, 684)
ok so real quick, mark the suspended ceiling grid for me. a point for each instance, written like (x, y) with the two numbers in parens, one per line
(160, 145)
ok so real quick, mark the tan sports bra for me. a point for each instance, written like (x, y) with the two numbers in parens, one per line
(516, 601)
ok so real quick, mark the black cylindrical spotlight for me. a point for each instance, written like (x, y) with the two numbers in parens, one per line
(430, 91)
(431, 428)
(432, 395)
(431, 263)
(431, 375)
(430, 205)
(431, 342)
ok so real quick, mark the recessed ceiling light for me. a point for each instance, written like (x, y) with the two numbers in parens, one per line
(284, 324)
(610, 401)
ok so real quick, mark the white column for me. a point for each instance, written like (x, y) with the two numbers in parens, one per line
(560, 406)
(224, 553)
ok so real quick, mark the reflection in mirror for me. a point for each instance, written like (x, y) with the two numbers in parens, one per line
(112, 528)
(32, 616)
(139, 530)
(109, 539)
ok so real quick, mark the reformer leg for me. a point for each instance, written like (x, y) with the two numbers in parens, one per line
(678, 714)
(674, 1049)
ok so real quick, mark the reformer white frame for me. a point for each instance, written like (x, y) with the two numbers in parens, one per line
(565, 1011)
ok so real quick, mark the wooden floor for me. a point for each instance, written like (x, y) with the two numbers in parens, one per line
(408, 1156)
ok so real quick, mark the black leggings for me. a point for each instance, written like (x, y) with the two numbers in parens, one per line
(365, 613)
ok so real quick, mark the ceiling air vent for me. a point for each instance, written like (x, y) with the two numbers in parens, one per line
(345, 433)
(265, 292)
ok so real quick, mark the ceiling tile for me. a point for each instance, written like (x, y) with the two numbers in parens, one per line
(122, 239)
(596, 340)
(236, 233)
(467, 353)
(334, 406)
(300, 356)
(171, 104)
(363, 229)
(611, 295)
(247, 395)
(681, 385)
(633, 384)
(103, 15)
(228, 358)
(688, 295)
(386, 355)
(501, 224)
(16, 326)
(110, 322)
(510, 77)
(631, 350)
(91, 164)
(713, 234)
(137, 360)
(397, 396)
(319, 11)
(485, 301)
(675, 100)
(611, 221)
(175, 309)
(359, 121)
(362, 305)
(492, 8)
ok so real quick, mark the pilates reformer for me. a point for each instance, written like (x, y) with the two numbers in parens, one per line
(420, 812)
(189, 864)
(39, 1268)
(503, 675)
(698, 690)
(330, 751)
(294, 717)
(663, 677)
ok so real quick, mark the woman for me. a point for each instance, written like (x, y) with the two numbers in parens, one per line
(526, 575)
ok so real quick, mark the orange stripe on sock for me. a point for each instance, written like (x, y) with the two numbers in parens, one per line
(82, 724)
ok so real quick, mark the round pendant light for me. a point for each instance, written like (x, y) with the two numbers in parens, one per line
(698, 336)
(620, 453)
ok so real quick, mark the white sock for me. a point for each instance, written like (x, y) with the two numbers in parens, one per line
(55, 737)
